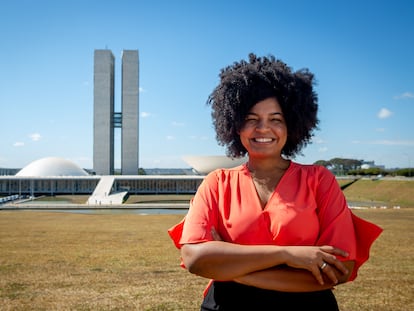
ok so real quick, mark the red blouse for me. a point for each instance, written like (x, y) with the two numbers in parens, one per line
(307, 207)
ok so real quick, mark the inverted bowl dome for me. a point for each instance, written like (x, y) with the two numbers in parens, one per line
(206, 164)
(51, 166)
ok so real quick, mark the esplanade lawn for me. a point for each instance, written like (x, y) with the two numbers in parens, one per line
(124, 261)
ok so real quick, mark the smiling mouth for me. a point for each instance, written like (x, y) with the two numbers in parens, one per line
(263, 140)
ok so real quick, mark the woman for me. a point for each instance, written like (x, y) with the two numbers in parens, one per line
(271, 234)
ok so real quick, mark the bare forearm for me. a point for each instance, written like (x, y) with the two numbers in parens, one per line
(284, 278)
(225, 261)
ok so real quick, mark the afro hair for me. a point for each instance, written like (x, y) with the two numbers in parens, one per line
(244, 84)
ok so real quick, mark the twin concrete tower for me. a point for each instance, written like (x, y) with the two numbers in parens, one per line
(105, 118)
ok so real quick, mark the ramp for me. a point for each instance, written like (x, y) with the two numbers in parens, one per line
(102, 195)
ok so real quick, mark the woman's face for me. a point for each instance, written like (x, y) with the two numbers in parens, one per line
(264, 132)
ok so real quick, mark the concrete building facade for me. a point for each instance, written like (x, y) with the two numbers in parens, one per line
(103, 112)
(106, 119)
(71, 185)
(130, 117)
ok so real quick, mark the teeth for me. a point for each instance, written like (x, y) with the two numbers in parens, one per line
(263, 140)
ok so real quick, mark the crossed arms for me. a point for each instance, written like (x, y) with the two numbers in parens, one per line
(282, 268)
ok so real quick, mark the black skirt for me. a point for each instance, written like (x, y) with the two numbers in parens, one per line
(233, 296)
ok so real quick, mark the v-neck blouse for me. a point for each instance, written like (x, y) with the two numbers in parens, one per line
(307, 207)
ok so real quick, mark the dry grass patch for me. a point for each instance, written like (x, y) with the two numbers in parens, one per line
(386, 281)
(51, 261)
(63, 261)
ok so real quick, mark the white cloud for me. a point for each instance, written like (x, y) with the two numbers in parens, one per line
(323, 149)
(170, 137)
(35, 136)
(18, 144)
(145, 114)
(384, 113)
(380, 129)
(178, 124)
(317, 140)
(405, 95)
(141, 90)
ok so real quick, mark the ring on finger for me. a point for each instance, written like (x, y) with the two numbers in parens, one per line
(323, 266)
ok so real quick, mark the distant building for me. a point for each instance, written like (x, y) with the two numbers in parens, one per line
(103, 112)
(106, 119)
(130, 117)
(52, 176)
(8, 171)
(370, 164)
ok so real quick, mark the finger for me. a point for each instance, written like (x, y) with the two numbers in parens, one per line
(317, 273)
(329, 272)
(333, 261)
(334, 250)
(323, 266)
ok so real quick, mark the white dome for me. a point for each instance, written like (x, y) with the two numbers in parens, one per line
(207, 164)
(51, 167)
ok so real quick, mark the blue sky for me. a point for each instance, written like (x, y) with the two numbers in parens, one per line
(361, 53)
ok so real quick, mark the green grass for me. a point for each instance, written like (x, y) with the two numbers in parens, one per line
(382, 192)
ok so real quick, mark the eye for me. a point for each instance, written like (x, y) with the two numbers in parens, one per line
(276, 120)
(250, 119)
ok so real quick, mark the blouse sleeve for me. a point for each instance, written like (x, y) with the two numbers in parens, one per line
(339, 227)
(201, 217)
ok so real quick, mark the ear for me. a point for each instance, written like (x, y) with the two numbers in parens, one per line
(239, 130)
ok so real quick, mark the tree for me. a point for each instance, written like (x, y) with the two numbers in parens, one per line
(323, 163)
(340, 166)
(347, 164)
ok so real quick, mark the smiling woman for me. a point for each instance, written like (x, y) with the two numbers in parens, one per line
(269, 233)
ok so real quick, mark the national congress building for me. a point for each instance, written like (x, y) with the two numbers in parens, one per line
(51, 176)
(106, 119)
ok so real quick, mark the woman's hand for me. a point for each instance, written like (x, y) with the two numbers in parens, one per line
(318, 260)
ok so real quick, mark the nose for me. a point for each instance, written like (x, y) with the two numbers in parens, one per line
(262, 125)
